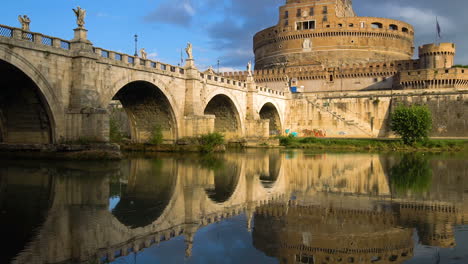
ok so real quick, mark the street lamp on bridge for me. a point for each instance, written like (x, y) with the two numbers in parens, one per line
(136, 45)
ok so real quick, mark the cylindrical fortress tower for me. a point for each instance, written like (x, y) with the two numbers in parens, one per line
(328, 32)
(437, 56)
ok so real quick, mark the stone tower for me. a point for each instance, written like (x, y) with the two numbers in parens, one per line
(437, 56)
(328, 32)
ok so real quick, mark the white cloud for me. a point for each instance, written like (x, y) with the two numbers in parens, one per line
(423, 20)
(189, 8)
(152, 55)
(229, 69)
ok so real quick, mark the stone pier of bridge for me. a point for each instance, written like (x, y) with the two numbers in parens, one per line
(56, 90)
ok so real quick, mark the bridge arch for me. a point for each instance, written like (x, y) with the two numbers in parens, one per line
(228, 114)
(269, 111)
(148, 108)
(30, 108)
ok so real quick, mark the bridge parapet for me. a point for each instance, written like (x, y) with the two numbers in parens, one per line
(122, 59)
(36, 38)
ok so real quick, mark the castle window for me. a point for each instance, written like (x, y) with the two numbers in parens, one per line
(298, 13)
(311, 11)
(286, 14)
(393, 27)
(325, 19)
(376, 25)
(404, 30)
(376, 80)
(362, 24)
(351, 25)
(340, 25)
(305, 25)
(286, 23)
(325, 10)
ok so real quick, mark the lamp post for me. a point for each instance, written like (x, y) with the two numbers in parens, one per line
(136, 45)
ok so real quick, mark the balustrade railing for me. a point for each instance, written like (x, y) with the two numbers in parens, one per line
(47, 41)
(17, 33)
(6, 31)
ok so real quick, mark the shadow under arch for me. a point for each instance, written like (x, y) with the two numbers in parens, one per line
(146, 111)
(270, 112)
(227, 115)
(226, 175)
(150, 187)
(25, 113)
(268, 178)
(26, 197)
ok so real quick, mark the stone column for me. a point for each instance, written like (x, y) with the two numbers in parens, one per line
(86, 118)
(255, 127)
(196, 123)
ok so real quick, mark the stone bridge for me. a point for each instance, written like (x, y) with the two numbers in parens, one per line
(55, 90)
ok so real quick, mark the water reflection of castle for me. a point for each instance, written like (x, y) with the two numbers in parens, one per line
(306, 207)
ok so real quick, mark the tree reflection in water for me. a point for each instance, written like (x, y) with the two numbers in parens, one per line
(413, 173)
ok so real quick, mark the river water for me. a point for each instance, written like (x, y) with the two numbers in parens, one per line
(253, 206)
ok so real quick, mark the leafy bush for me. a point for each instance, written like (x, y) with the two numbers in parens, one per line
(412, 123)
(156, 136)
(210, 141)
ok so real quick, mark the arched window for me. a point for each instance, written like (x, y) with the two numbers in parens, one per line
(376, 25)
(393, 27)
(404, 30)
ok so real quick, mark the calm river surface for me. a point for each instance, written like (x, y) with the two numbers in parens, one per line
(255, 206)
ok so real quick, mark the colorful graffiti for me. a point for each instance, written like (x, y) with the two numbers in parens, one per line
(314, 133)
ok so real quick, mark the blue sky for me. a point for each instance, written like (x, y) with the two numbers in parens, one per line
(218, 29)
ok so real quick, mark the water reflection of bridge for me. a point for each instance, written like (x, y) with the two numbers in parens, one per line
(343, 206)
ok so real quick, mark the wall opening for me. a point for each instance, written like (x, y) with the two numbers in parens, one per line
(140, 111)
(25, 116)
(376, 25)
(227, 117)
(393, 27)
(270, 113)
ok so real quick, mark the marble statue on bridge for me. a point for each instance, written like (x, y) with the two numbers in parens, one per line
(188, 50)
(25, 21)
(80, 16)
(143, 54)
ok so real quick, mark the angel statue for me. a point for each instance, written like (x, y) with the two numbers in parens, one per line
(80, 16)
(188, 50)
(24, 20)
(143, 53)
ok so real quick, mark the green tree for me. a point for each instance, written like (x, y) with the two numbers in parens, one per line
(412, 123)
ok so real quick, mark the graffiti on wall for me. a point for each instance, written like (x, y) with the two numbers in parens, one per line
(314, 133)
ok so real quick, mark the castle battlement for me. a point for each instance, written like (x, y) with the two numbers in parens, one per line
(437, 49)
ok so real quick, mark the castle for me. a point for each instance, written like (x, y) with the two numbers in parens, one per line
(322, 51)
